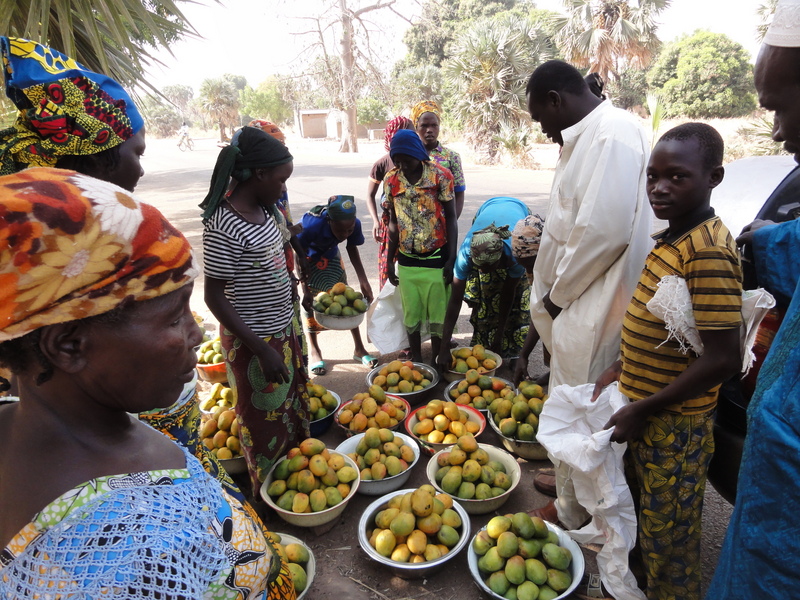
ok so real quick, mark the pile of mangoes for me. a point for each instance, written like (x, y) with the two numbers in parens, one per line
(340, 301)
(380, 454)
(519, 551)
(310, 478)
(296, 557)
(517, 417)
(479, 391)
(321, 402)
(442, 422)
(219, 433)
(466, 472)
(210, 352)
(416, 527)
(371, 409)
(476, 358)
(400, 377)
(220, 398)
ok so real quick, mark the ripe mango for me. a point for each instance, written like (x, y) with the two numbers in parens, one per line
(430, 524)
(318, 465)
(378, 470)
(401, 553)
(385, 542)
(480, 456)
(498, 525)
(403, 524)
(471, 471)
(346, 474)
(394, 466)
(451, 518)
(421, 504)
(385, 517)
(300, 503)
(317, 500)
(297, 463)
(417, 541)
(276, 488)
(329, 478)
(482, 542)
(432, 552)
(452, 480)
(305, 482)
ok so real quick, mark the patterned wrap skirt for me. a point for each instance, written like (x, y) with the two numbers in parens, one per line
(272, 417)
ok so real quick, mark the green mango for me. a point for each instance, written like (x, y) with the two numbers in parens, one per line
(491, 561)
(535, 571)
(541, 529)
(483, 491)
(498, 583)
(507, 544)
(530, 548)
(447, 535)
(522, 525)
(452, 481)
(333, 496)
(515, 570)
(482, 542)
(556, 557)
(527, 590)
(286, 500)
(299, 577)
(558, 579)
(466, 491)
(547, 593)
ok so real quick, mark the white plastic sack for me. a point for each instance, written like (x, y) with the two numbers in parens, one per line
(571, 429)
(385, 328)
(672, 303)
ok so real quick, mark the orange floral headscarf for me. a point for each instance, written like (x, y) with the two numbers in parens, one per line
(268, 127)
(72, 246)
(426, 106)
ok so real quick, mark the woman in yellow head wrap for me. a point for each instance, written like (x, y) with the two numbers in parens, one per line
(426, 116)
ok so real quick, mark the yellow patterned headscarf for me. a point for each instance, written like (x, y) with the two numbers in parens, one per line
(64, 109)
(424, 107)
(72, 246)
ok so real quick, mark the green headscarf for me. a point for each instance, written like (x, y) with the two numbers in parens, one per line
(486, 246)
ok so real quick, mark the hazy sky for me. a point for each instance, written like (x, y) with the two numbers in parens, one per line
(253, 37)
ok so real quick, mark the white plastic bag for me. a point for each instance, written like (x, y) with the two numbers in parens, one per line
(672, 303)
(385, 328)
(571, 429)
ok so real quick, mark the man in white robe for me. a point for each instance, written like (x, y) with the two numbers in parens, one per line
(596, 235)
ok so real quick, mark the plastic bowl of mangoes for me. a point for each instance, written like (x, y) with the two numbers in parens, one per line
(341, 307)
(311, 485)
(476, 357)
(524, 557)
(299, 559)
(413, 532)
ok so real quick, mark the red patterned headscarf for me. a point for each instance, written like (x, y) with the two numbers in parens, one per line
(72, 246)
(393, 127)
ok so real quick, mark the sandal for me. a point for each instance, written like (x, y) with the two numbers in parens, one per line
(405, 354)
(366, 360)
(318, 368)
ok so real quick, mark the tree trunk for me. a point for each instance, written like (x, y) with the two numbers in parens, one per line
(349, 133)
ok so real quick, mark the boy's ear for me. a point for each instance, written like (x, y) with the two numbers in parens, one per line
(554, 98)
(716, 176)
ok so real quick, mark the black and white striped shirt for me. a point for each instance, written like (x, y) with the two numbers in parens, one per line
(250, 258)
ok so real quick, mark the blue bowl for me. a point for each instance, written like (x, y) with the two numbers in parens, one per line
(322, 425)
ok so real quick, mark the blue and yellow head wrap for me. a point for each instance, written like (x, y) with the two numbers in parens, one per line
(64, 109)
(341, 208)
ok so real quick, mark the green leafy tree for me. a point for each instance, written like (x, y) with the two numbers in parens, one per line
(609, 36)
(266, 102)
(489, 70)
(415, 83)
(115, 37)
(180, 95)
(371, 110)
(629, 89)
(162, 119)
(704, 75)
(219, 100)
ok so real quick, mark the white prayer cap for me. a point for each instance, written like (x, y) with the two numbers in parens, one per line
(784, 31)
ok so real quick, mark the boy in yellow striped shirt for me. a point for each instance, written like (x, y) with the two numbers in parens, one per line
(669, 423)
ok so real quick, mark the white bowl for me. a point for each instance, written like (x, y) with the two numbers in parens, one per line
(311, 565)
(431, 447)
(576, 567)
(413, 398)
(388, 484)
(455, 375)
(312, 519)
(339, 322)
(407, 570)
(481, 507)
(528, 450)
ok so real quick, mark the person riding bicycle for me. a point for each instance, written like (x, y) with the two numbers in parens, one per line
(183, 133)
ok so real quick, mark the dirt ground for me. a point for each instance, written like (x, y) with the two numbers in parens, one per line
(177, 181)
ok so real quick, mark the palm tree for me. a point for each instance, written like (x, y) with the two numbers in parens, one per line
(114, 37)
(489, 70)
(608, 36)
(219, 100)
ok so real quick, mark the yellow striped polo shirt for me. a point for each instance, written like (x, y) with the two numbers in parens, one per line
(706, 258)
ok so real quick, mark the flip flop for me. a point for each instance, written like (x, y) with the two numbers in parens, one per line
(318, 368)
(366, 360)
(405, 354)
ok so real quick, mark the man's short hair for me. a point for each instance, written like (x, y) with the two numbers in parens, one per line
(709, 139)
(555, 75)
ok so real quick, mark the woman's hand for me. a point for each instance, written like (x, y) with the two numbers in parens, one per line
(628, 424)
(447, 273)
(308, 301)
(376, 233)
(391, 275)
(272, 365)
(366, 290)
(520, 370)
(607, 377)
